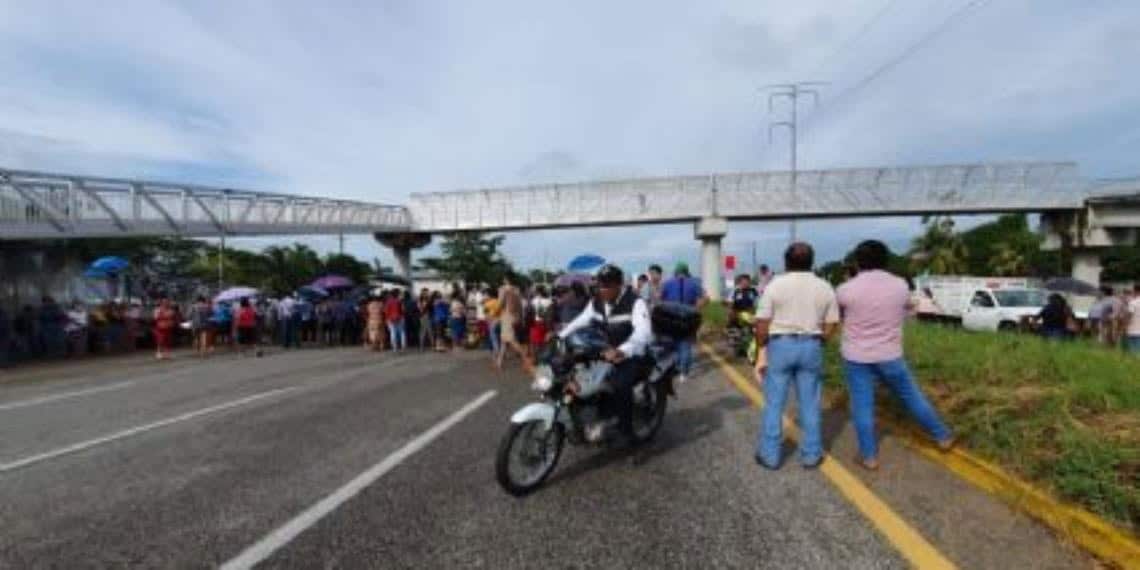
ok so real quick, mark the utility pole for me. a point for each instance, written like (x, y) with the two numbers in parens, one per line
(754, 266)
(221, 260)
(340, 240)
(791, 91)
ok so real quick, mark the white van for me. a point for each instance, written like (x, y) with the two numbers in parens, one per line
(985, 303)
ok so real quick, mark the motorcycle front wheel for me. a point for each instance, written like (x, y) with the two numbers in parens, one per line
(527, 455)
(649, 409)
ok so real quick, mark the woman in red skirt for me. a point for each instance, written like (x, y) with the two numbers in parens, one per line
(163, 329)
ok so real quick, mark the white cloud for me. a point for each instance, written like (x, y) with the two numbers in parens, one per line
(376, 100)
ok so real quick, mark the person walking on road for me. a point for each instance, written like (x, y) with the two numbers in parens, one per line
(873, 306)
(686, 290)
(797, 314)
(394, 317)
(511, 305)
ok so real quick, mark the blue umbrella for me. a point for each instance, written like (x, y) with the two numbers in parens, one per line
(93, 273)
(110, 264)
(586, 263)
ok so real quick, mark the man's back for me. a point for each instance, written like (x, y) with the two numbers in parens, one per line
(682, 289)
(798, 302)
(874, 306)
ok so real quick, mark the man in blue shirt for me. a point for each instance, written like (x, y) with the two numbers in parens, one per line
(684, 289)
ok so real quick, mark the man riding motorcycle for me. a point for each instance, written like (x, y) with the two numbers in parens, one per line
(744, 299)
(744, 295)
(624, 316)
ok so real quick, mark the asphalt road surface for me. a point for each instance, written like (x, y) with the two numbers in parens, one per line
(338, 458)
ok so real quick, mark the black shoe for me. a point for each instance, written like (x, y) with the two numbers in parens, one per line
(764, 464)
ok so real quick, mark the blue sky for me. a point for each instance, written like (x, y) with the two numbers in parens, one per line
(375, 100)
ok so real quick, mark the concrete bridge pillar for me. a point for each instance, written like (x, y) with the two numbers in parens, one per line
(1086, 266)
(711, 231)
(402, 245)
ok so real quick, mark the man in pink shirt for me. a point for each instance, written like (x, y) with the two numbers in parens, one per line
(874, 305)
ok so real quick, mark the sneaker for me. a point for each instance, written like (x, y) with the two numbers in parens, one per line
(682, 378)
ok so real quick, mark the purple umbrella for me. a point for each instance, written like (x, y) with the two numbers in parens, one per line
(568, 279)
(330, 282)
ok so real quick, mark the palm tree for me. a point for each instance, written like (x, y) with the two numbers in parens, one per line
(939, 249)
(1008, 261)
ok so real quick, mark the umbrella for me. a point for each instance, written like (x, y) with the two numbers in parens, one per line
(234, 294)
(1070, 285)
(330, 282)
(568, 279)
(109, 264)
(312, 292)
(586, 262)
(93, 273)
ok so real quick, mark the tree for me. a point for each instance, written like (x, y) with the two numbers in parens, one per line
(472, 258)
(939, 249)
(1007, 261)
(348, 266)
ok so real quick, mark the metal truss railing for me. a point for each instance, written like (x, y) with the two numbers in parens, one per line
(950, 189)
(46, 205)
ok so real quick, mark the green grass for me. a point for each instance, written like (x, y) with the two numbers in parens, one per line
(1064, 415)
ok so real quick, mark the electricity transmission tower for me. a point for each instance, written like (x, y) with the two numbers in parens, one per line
(792, 92)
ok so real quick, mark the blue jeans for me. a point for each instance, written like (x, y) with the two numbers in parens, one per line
(397, 334)
(1132, 344)
(685, 355)
(861, 377)
(798, 361)
(493, 333)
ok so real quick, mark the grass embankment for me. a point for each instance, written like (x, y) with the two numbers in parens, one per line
(1063, 415)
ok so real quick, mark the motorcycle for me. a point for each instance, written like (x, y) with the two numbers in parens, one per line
(741, 336)
(577, 407)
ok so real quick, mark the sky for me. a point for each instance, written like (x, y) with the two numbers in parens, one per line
(375, 100)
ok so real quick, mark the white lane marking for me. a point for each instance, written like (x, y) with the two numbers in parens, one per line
(64, 396)
(19, 463)
(263, 548)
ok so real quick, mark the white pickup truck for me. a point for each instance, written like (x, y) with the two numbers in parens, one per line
(985, 303)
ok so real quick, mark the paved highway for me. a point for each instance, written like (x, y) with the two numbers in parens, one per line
(342, 458)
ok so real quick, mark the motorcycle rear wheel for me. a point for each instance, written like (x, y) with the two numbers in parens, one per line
(538, 462)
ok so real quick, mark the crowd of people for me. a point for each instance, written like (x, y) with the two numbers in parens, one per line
(52, 331)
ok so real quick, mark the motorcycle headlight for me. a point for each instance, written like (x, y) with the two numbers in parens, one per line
(543, 379)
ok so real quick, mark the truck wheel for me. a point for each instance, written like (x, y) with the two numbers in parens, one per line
(1007, 326)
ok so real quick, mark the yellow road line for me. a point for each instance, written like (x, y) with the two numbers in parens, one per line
(916, 549)
(1088, 530)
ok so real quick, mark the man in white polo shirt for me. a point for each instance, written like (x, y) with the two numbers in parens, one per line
(797, 313)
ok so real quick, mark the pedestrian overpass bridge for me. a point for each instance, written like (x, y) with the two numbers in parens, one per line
(37, 205)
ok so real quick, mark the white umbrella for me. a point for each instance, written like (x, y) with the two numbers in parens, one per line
(235, 293)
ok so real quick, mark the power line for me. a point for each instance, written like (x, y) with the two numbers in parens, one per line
(911, 50)
(851, 41)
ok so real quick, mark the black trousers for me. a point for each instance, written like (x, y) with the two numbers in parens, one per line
(626, 373)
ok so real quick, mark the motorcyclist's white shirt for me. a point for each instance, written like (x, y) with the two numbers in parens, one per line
(642, 327)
